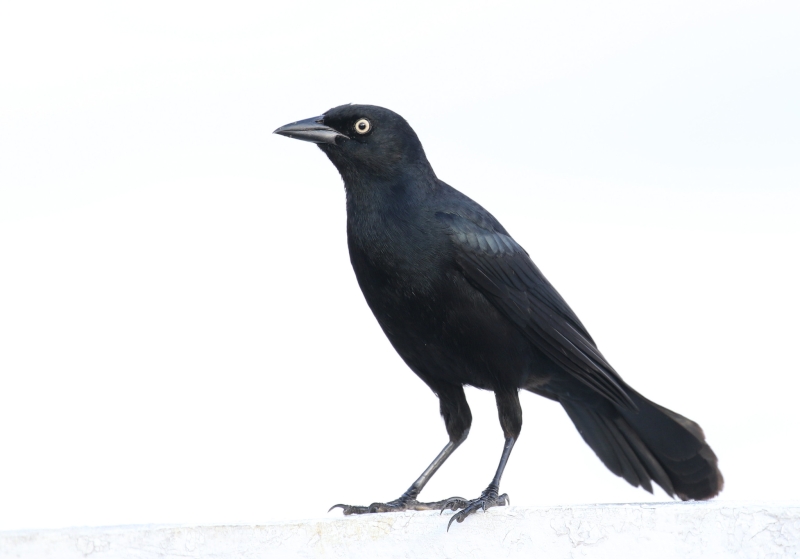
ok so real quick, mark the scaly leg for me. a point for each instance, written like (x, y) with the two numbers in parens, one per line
(510, 413)
(489, 498)
(408, 501)
(457, 418)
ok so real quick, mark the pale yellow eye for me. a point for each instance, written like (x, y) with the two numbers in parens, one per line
(362, 126)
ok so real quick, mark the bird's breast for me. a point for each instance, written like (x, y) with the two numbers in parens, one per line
(393, 265)
(437, 322)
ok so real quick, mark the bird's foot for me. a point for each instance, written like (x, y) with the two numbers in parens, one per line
(488, 499)
(398, 505)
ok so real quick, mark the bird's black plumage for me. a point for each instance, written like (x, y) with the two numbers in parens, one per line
(463, 304)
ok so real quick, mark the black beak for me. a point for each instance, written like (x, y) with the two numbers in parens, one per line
(311, 130)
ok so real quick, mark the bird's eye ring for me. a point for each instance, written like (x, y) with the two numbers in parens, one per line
(362, 126)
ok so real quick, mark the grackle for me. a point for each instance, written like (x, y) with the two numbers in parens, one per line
(463, 304)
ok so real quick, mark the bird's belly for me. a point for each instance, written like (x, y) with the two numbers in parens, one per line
(450, 332)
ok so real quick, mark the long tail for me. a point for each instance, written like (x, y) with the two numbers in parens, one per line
(652, 444)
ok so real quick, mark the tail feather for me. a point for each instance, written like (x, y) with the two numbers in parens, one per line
(596, 435)
(654, 469)
(637, 473)
(612, 446)
(652, 443)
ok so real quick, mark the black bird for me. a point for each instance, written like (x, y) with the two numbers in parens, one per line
(463, 303)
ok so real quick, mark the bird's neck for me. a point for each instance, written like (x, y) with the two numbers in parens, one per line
(388, 213)
(390, 198)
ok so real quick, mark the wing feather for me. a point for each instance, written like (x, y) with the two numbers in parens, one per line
(495, 264)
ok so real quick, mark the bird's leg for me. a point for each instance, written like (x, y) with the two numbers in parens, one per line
(489, 498)
(457, 418)
(511, 421)
(408, 500)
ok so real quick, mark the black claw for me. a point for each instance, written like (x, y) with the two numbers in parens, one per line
(347, 510)
(453, 503)
(488, 499)
(451, 521)
(397, 505)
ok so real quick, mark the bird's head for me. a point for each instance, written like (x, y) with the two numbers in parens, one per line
(363, 141)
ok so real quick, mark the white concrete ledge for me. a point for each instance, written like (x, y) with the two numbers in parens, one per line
(651, 531)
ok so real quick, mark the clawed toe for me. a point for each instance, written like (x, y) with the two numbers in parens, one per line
(453, 503)
(488, 499)
(465, 508)
(349, 509)
(398, 505)
(394, 506)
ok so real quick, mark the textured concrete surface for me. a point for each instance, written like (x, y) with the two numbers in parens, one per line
(650, 530)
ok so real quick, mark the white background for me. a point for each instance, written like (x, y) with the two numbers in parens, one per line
(182, 338)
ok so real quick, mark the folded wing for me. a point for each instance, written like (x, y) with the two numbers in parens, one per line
(496, 265)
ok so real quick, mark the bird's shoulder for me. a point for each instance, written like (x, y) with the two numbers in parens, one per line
(488, 255)
(478, 236)
(460, 212)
